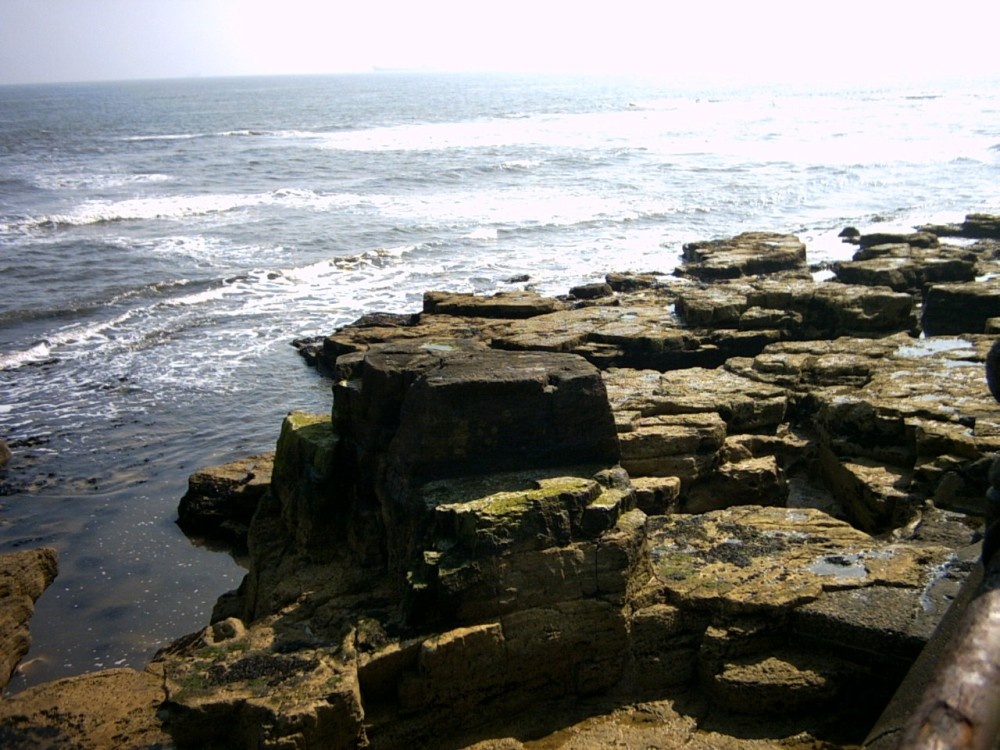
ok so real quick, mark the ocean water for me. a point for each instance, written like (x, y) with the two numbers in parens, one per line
(161, 243)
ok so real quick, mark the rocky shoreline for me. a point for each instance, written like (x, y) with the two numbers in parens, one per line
(723, 508)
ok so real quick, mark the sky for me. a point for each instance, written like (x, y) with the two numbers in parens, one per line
(723, 41)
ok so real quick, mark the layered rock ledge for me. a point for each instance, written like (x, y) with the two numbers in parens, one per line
(684, 510)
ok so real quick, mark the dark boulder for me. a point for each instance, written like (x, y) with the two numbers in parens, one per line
(591, 291)
(221, 500)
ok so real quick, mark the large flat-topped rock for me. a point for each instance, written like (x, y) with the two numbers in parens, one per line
(957, 308)
(913, 239)
(744, 404)
(644, 333)
(343, 349)
(654, 327)
(417, 413)
(803, 308)
(747, 254)
(520, 304)
(772, 607)
(455, 412)
(906, 269)
(896, 383)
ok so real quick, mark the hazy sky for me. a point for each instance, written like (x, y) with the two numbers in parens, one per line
(719, 40)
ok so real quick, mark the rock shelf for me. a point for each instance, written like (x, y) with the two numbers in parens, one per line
(732, 497)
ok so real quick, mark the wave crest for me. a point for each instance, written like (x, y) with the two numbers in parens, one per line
(172, 208)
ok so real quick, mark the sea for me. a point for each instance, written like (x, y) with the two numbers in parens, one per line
(163, 242)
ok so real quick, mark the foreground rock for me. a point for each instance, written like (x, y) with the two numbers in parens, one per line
(795, 577)
(403, 584)
(116, 708)
(444, 519)
(23, 578)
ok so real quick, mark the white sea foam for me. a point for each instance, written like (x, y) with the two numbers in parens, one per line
(484, 233)
(553, 130)
(97, 181)
(145, 209)
(40, 352)
(73, 340)
(198, 298)
(66, 336)
(516, 165)
(377, 257)
(164, 137)
(203, 249)
(177, 207)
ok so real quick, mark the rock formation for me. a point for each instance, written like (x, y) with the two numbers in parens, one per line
(23, 577)
(221, 500)
(747, 254)
(735, 487)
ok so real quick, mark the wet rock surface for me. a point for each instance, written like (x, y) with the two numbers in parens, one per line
(684, 511)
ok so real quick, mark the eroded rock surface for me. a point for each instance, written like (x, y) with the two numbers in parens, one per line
(901, 422)
(116, 708)
(23, 577)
